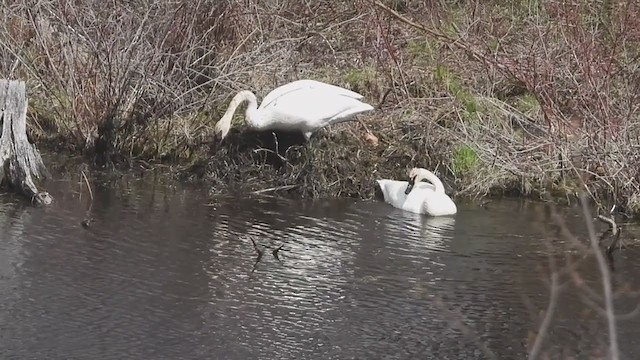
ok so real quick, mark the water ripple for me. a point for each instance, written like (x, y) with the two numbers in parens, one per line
(160, 274)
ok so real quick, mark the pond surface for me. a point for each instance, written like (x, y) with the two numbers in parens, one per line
(166, 272)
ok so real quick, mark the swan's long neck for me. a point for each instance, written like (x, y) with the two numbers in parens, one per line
(251, 114)
(432, 178)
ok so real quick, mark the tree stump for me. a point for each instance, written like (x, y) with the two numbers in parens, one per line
(20, 161)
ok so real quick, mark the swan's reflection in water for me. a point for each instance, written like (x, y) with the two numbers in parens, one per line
(420, 232)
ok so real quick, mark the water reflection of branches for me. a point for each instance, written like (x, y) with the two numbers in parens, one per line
(606, 282)
(455, 320)
(275, 252)
(561, 278)
(260, 252)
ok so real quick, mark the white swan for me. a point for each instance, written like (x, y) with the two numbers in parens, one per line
(304, 105)
(417, 196)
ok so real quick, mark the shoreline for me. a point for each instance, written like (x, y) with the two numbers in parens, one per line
(337, 162)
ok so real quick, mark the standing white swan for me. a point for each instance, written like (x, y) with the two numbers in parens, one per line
(304, 105)
(417, 196)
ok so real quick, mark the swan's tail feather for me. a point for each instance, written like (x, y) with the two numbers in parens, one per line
(350, 114)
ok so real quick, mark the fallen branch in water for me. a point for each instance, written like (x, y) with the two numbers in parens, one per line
(86, 181)
(276, 188)
(615, 231)
(259, 252)
(275, 252)
(87, 218)
(605, 274)
(613, 228)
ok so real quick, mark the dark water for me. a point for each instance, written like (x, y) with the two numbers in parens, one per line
(159, 274)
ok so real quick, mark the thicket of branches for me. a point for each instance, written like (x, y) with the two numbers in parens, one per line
(543, 94)
(104, 75)
(552, 90)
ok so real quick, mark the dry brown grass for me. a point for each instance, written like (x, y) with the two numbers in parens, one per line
(547, 93)
(532, 97)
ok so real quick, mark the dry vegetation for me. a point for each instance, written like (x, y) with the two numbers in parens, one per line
(532, 97)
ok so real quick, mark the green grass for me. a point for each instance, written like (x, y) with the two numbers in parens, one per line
(360, 78)
(423, 49)
(455, 87)
(464, 160)
(527, 104)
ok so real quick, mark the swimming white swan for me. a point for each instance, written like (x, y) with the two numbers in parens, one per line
(304, 105)
(417, 196)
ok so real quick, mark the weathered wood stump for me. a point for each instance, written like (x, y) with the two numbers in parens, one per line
(20, 161)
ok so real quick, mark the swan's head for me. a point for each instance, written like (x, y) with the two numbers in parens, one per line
(224, 125)
(414, 175)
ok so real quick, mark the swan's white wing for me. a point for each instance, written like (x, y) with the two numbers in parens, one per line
(306, 85)
(416, 200)
(439, 204)
(393, 191)
(394, 194)
(310, 108)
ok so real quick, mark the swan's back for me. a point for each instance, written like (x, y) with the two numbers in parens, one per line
(308, 105)
(307, 85)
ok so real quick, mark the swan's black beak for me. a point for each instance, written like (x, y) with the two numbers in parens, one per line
(412, 181)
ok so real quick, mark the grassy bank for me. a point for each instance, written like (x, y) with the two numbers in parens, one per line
(527, 97)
